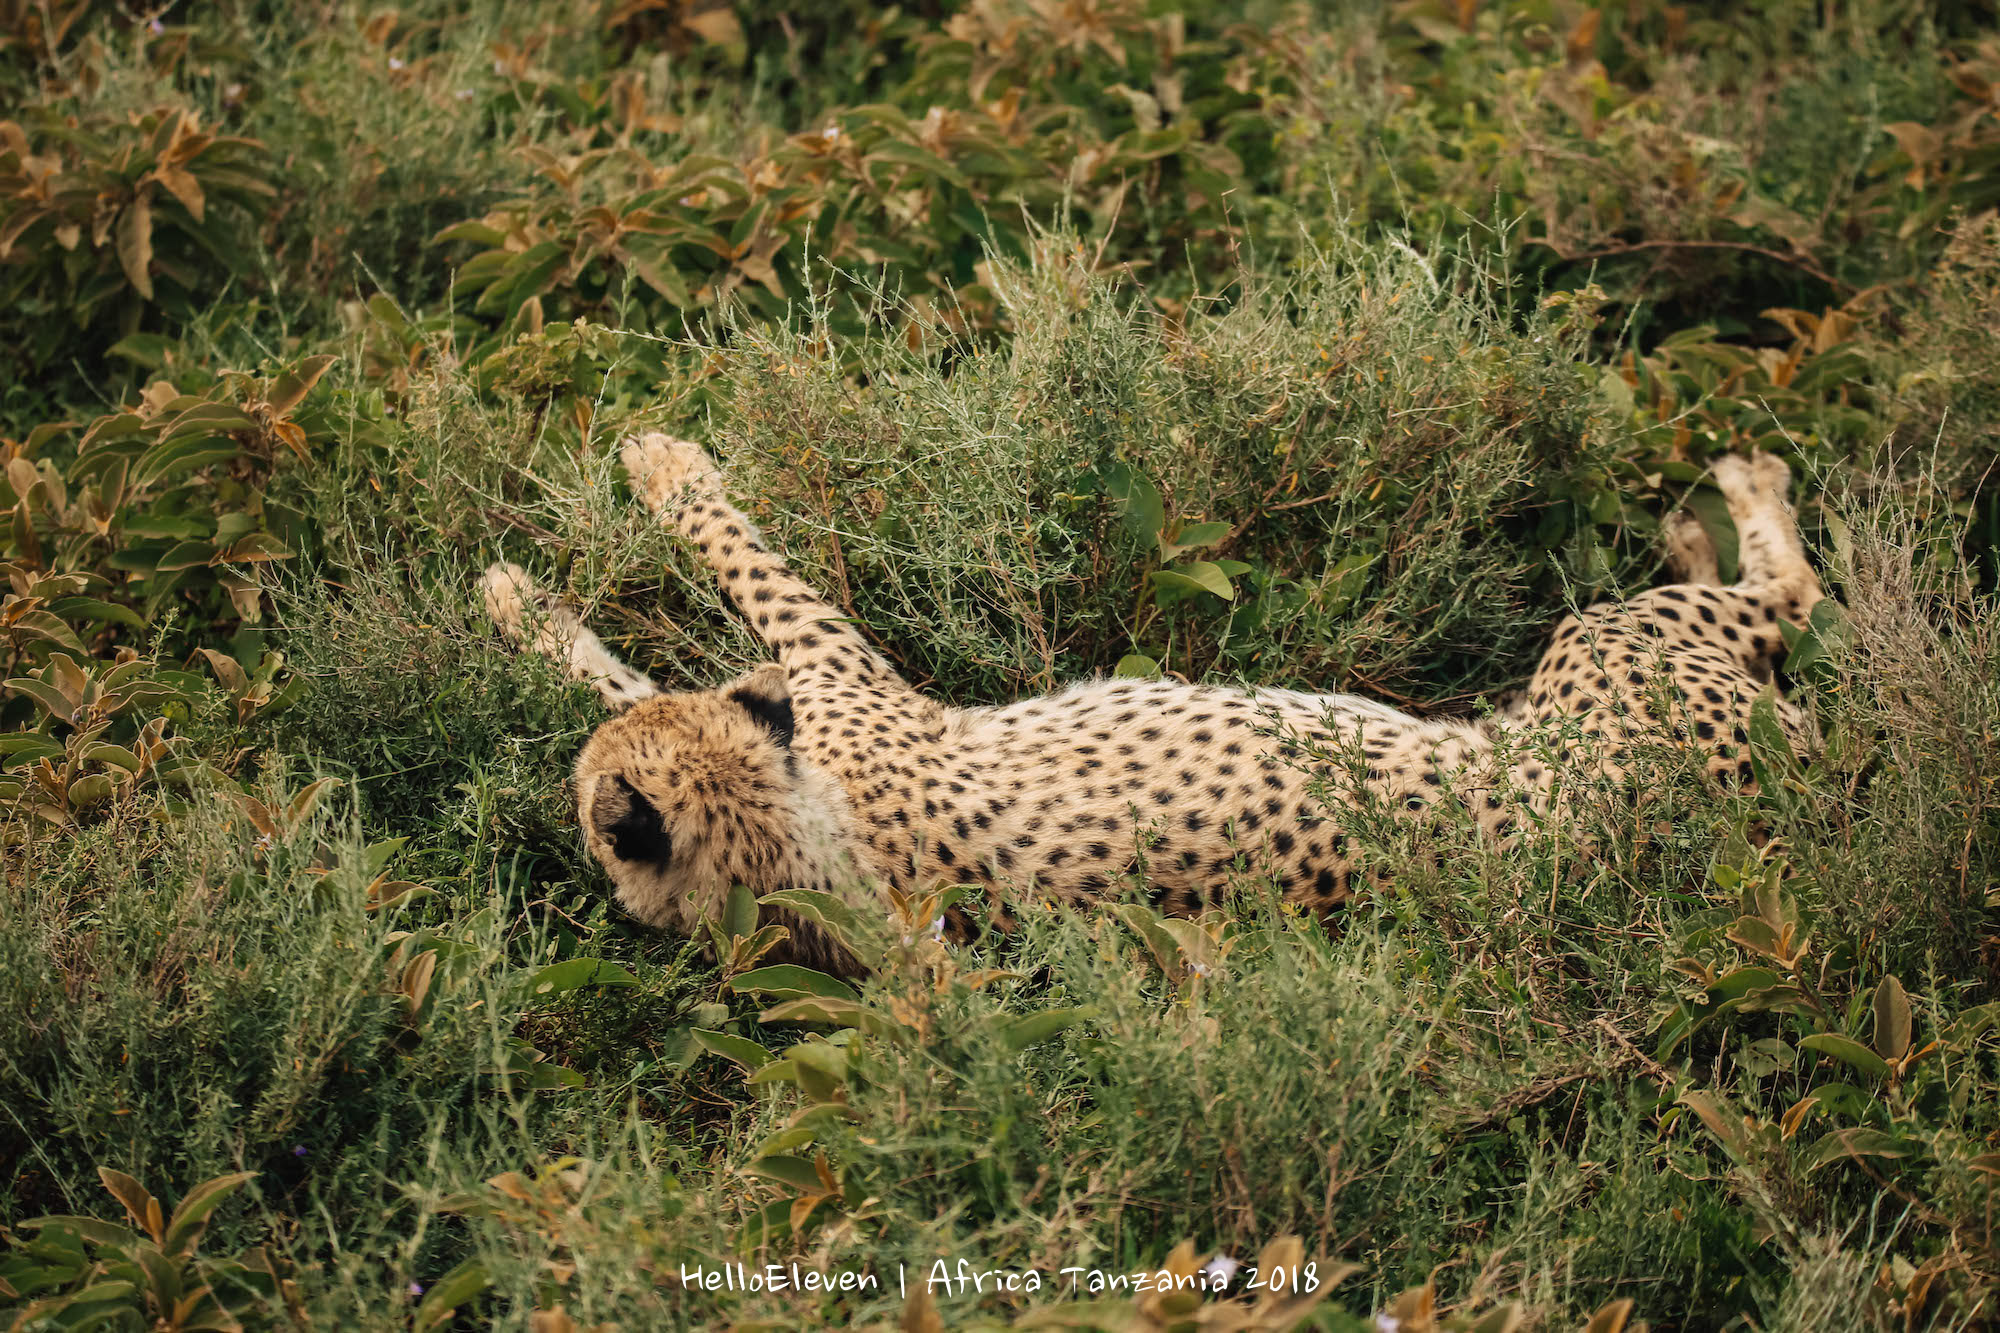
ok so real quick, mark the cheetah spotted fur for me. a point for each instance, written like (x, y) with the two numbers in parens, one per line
(826, 770)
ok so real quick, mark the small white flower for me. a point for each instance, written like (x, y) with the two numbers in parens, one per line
(1221, 1270)
(831, 133)
(465, 94)
(1387, 1323)
(395, 63)
(1202, 970)
(937, 929)
(156, 27)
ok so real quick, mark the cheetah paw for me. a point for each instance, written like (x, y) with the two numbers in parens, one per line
(1760, 476)
(664, 468)
(1690, 551)
(507, 591)
(1772, 471)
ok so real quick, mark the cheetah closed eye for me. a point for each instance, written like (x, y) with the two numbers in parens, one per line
(825, 769)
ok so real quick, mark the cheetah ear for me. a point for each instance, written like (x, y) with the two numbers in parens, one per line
(765, 695)
(630, 823)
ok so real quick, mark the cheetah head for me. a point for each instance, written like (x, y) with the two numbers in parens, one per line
(682, 796)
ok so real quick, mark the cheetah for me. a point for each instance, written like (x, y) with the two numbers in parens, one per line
(826, 770)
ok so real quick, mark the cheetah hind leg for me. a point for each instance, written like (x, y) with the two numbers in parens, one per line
(1772, 554)
(540, 623)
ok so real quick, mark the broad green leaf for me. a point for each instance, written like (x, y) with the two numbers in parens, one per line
(788, 981)
(1848, 1051)
(200, 418)
(794, 1171)
(823, 1009)
(1855, 1141)
(910, 155)
(186, 555)
(92, 611)
(103, 752)
(798, 1136)
(29, 745)
(308, 798)
(87, 791)
(528, 274)
(183, 455)
(135, 244)
(574, 974)
(143, 1207)
(1151, 929)
(817, 1067)
(1742, 981)
(252, 548)
(1770, 748)
(479, 233)
(1030, 1029)
(1191, 536)
(1843, 1101)
(93, 1229)
(770, 1224)
(1136, 666)
(1722, 1120)
(1192, 577)
(290, 388)
(1892, 1019)
(661, 275)
(51, 699)
(452, 1290)
(1138, 500)
(739, 913)
(737, 1050)
(184, 1231)
(145, 349)
(827, 912)
(45, 625)
(1712, 512)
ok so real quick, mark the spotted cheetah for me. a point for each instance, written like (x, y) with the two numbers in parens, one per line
(826, 770)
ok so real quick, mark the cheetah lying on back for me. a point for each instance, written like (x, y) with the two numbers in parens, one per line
(826, 769)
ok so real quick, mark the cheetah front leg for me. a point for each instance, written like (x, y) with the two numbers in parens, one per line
(681, 484)
(540, 623)
(1691, 554)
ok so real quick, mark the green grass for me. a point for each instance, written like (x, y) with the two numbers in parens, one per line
(1438, 318)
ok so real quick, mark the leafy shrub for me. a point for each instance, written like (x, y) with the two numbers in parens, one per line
(151, 1275)
(1310, 437)
(103, 218)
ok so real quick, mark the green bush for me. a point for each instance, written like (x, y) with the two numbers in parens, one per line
(1336, 351)
(101, 219)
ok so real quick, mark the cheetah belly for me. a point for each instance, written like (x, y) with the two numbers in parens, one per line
(1179, 783)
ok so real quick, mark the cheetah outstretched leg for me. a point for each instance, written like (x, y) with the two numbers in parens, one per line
(1773, 556)
(542, 624)
(681, 484)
